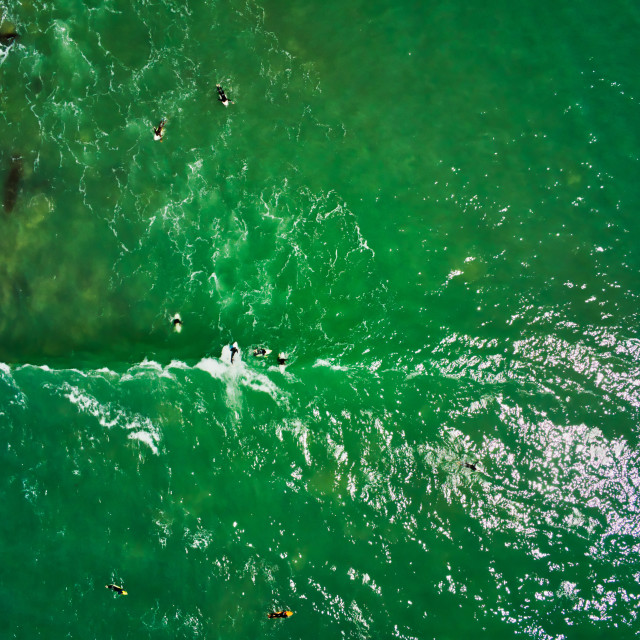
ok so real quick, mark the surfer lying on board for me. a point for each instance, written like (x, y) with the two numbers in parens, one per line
(158, 131)
(222, 96)
(261, 352)
(176, 322)
(118, 590)
(279, 614)
(473, 466)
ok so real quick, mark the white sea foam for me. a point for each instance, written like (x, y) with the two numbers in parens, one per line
(7, 377)
(239, 374)
(149, 438)
(177, 364)
(214, 367)
(141, 427)
(327, 363)
(145, 367)
(301, 432)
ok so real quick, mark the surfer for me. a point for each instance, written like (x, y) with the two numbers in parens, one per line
(261, 352)
(158, 131)
(118, 590)
(223, 97)
(282, 359)
(234, 350)
(279, 614)
(176, 322)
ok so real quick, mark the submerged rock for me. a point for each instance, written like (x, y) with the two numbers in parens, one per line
(8, 33)
(12, 183)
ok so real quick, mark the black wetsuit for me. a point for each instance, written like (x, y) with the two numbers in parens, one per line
(233, 353)
(282, 361)
(260, 352)
(114, 588)
(159, 129)
(278, 614)
(221, 95)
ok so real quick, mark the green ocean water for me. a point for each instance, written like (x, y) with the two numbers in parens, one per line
(431, 208)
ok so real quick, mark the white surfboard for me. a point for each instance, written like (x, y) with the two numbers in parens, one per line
(225, 355)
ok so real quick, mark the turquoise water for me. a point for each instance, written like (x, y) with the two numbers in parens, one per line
(431, 208)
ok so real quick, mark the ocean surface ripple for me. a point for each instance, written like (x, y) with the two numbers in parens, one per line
(430, 210)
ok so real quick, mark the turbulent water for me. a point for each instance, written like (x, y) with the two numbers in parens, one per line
(430, 208)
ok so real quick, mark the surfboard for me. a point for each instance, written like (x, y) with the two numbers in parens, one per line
(225, 356)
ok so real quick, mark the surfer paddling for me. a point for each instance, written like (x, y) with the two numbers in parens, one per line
(282, 361)
(176, 322)
(158, 131)
(279, 614)
(222, 96)
(118, 590)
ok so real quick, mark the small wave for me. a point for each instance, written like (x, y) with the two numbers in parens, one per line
(7, 378)
(241, 374)
(327, 363)
(149, 366)
(141, 427)
(147, 438)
